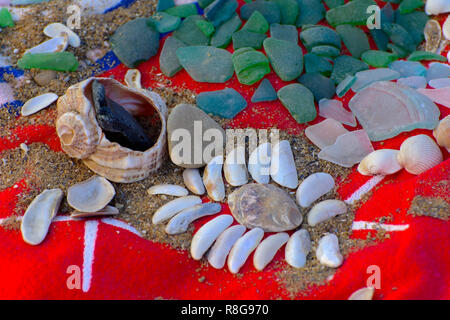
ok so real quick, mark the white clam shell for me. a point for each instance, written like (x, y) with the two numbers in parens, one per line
(212, 179)
(39, 215)
(218, 253)
(207, 234)
(380, 162)
(442, 133)
(297, 248)
(58, 29)
(282, 166)
(234, 168)
(171, 208)
(259, 163)
(193, 181)
(133, 79)
(90, 195)
(362, 294)
(437, 6)
(168, 189)
(180, 222)
(106, 211)
(242, 249)
(419, 153)
(325, 210)
(266, 250)
(313, 187)
(328, 252)
(38, 103)
(446, 28)
(57, 44)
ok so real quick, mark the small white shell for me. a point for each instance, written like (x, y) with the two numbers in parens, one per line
(328, 252)
(419, 153)
(212, 179)
(437, 6)
(168, 189)
(171, 208)
(380, 162)
(234, 168)
(242, 249)
(218, 253)
(39, 215)
(313, 187)
(90, 195)
(133, 79)
(362, 294)
(446, 28)
(442, 133)
(297, 248)
(106, 211)
(267, 249)
(38, 103)
(282, 166)
(180, 222)
(325, 210)
(193, 181)
(58, 29)
(57, 44)
(259, 163)
(207, 234)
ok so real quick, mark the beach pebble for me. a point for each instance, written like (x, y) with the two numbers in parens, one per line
(297, 248)
(44, 77)
(242, 249)
(217, 256)
(267, 249)
(328, 252)
(325, 210)
(313, 187)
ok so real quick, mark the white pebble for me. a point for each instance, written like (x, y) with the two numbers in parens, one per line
(168, 189)
(181, 221)
(325, 210)
(297, 248)
(171, 208)
(217, 256)
(267, 249)
(242, 249)
(328, 252)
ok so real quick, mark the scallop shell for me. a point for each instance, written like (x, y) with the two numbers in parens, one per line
(81, 137)
(380, 162)
(419, 153)
(442, 133)
(90, 195)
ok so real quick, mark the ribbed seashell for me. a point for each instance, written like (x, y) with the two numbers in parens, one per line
(168, 189)
(442, 133)
(81, 137)
(133, 79)
(212, 179)
(380, 162)
(90, 195)
(282, 166)
(328, 252)
(218, 253)
(259, 163)
(193, 181)
(362, 294)
(418, 154)
(234, 168)
(325, 210)
(38, 103)
(242, 249)
(171, 208)
(57, 44)
(39, 215)
(106, 211)
(433, 35)
(437, 6)
(59, 30)
(446, 28)
(266, 250)
(313, 187)
(180, 222)
(297, 248)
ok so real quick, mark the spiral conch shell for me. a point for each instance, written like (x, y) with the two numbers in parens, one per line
(81, 137)
(419, 153)
(442, 133)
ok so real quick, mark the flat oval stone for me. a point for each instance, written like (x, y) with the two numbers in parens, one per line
(311, 12)
(285, 57)
(168, 61)
(355, 39)
(284, 32)
(320, 36)
(317, 64)
(269, 10)
(377, 58)
(225, 103)
(250, 65)
(320, 86)
(223, 35)
(265, 92)
(264, 206)
(190, 33)
(299, 101)
(346, 66)
(206, 64)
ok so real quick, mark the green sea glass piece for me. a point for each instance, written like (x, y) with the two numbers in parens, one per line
(354, 38)
(284, 32)
(285, 57)
(244, 38)
(6, 19)
(223, 35)
(425, 55)
(320, 86)
(317, 64)
(268, 9)
(319, 36)
(326, 51)
(289, 10)
(299, 101)
(164, 5)
(58, 61)
(135, 41)
(220, 11)
(183, 10)
(264, 92)
(225, 103)
(345, 85)
(414, 23)
(407, 6)
(256, 23)
(204, 3)
(378, 59)
(399, 36)
(311, 12)
(333, 3)
(206, 27)
(168, 61)
(26, 2)
(346, 65)
(398, 51)
(190, 33)
(354, 12)
(164, 22)
(206, 64)
(250, 65)
(367, 77)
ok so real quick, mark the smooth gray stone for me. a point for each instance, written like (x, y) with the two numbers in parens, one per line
(168, 61)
